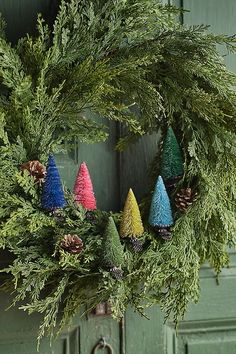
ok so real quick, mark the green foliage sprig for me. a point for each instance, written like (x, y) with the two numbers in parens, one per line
(107, 56)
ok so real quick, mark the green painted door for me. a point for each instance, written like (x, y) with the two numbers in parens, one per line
(210, 326)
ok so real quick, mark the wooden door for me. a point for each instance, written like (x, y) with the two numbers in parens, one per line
(210, 326)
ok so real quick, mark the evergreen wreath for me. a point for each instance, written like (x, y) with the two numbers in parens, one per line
(106, 56)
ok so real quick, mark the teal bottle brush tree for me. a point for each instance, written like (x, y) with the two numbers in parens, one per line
(172, 162)
(160, 215)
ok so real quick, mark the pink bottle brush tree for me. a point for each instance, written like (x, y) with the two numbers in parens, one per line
(83, 188)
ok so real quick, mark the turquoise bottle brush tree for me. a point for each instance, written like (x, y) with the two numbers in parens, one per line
(67, 253)
(160, 216)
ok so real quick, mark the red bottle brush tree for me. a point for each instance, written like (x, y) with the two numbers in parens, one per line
(83, 188)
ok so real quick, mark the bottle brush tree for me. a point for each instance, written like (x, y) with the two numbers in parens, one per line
(52, 195)
(131, 223)
(83, 188)
(172, 162)
(113, 254)
(160, 216)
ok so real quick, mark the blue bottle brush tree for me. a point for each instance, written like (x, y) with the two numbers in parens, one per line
(160, 215)
(52, 195)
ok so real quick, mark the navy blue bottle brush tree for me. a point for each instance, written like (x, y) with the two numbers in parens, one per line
(52, 195)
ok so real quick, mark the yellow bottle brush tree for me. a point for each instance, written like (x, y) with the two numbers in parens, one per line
(131, 223)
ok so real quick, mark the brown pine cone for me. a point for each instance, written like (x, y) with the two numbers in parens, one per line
(35, 169)
(185, 198)
(72, 244)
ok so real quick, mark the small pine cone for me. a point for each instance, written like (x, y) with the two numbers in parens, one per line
(72, 244)
(137, 245)
(185, 198)
(35, 169)
(117, 272)
(165, 233)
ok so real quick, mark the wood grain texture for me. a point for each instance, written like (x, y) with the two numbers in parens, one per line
(220, 15)
(135, 164)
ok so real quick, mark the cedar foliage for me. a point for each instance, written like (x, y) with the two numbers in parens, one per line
(107, 57)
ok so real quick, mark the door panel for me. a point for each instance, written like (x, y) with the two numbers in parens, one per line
(210, 337)
(144, 336)
(135, 163)
(220, 15)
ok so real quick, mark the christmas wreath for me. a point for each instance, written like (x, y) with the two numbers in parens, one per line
(107, 57)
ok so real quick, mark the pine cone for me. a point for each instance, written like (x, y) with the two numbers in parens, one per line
(165, 233)
(72, 244)
(137, 245)
(35, 169)
(117, 272)
(185, 198)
